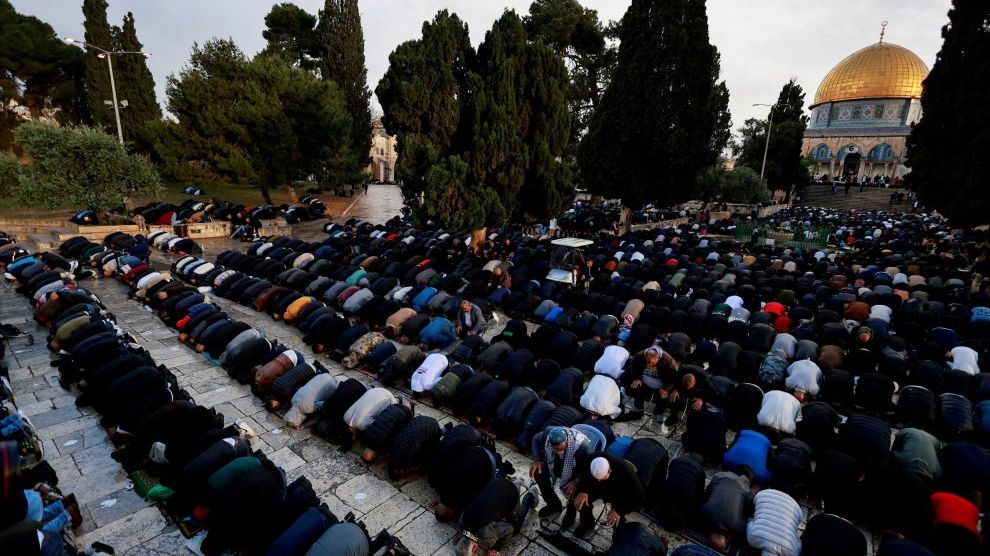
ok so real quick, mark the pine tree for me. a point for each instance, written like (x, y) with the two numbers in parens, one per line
(343, 62)
(664, 117)
(98, 33)
(38, 72)
(135, 84)
(291, 33)
(784, 167)
(947, 148)
(259, 122)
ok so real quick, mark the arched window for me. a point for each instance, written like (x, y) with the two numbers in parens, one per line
(822, 153)
(881, 153)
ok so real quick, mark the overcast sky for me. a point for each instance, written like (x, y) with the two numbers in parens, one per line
(763, 42)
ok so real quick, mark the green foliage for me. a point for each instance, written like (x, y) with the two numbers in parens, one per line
(501, 112)
(740, 185)
(291, 33)
(450, 199)
(576, 34)
(521, 123)
(427, 97)
(258, 122)
(785, 168)
(947, 148)
(78, 167)
(136, 85)
(9, 170)
(38, 73)
(342, 50)
(664, 117)
(133, 79)
(97, 77)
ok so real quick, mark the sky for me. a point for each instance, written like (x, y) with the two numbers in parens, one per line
(763, 43)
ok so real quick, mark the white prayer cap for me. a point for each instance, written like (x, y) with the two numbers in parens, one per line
(600, 468)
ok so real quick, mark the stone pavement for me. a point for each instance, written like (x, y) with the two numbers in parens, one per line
(79, 449)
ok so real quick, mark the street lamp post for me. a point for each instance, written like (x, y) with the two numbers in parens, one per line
(766, 148)
(113, 86)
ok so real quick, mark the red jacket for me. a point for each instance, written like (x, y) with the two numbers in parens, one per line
(956, 510)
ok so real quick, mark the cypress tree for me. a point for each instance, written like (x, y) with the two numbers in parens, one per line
(521, 125)
(427, 98)
(97, 81)
(343, 62)
(785, 167)
(135, 84)
(664, 117)
(947, 148)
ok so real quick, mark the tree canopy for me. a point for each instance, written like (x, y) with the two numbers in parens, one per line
(488, 127)
(739, 185)
(520, 122)
(256, 121)
(342, 60)
(98, 33)
(78, 167)
(585, 43)
(664, 117)
(39, 74)
(785, 167)
(132, 78)
(136, 86)
(291, 33)
(947, 148)
(427, 94)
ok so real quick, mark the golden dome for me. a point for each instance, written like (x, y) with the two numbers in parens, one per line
(880, 70)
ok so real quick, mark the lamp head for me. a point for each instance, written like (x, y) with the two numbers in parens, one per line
(101, 55)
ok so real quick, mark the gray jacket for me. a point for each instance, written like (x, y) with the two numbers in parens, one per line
(478, 322)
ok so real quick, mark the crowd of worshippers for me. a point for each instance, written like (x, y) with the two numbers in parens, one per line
(206, 473)
(778, 345)
(34, 514)
(802, 353)
(91, 254)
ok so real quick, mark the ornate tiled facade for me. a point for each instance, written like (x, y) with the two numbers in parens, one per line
(863, 112)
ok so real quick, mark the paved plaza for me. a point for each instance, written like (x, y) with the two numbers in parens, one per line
(79, 449)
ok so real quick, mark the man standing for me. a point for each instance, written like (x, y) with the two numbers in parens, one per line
(558, 453)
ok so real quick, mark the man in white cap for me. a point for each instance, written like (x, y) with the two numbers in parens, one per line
(609, 478)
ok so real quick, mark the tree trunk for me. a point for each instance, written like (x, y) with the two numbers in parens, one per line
(266, 194)
(478, 237)
(293, 199)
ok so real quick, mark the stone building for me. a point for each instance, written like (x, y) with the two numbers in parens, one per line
(863, 111)
(383, 154)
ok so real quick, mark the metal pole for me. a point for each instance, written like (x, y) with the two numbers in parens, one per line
(766, 149)
(116, 106)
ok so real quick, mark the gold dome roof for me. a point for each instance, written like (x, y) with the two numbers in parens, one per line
(880, 70)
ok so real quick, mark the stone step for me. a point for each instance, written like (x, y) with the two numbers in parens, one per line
(43, 242)
(37, 222)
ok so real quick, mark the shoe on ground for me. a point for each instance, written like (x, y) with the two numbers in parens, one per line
(547, 512)
(583, 529)
(245, 429)
(72, 506)
(569, 517)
